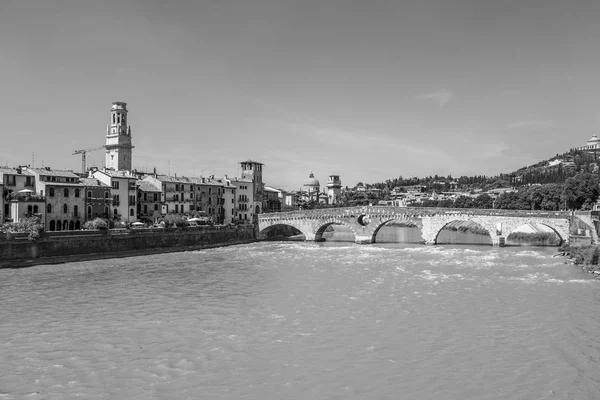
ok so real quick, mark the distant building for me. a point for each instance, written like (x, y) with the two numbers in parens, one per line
(593, 144)
(311, 189)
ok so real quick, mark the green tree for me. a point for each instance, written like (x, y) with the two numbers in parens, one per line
(581, 191)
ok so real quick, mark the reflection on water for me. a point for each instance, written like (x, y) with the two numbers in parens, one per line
(303, 321)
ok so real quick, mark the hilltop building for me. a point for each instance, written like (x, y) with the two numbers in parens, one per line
(592, 145)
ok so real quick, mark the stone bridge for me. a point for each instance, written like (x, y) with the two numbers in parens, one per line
(365, 221)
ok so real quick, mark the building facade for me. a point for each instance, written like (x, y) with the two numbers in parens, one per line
(64, 198)
(149, 201)
(123, 191)
(98, 199)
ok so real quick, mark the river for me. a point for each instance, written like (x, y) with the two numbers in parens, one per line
(296, 320)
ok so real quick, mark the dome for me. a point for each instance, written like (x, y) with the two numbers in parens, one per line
(594, 140)
(312, 181)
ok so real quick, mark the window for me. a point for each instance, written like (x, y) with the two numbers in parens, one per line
(115, 184)
(65, 208)
(66, 192)
(131, 212)
(89, 194)
(75, 211)
(35, 209)
(115, 212)
(76, 192)
(30, 209)
(145, 208)
(49, 208)
(89, 211)
(176, 208)
(155, 196)
(28, 181)
(155, 207)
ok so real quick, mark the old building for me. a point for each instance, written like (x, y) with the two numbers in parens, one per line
(123, 191)
(272, 201)
(64, 197)
(177, 193)
(98, 199)
(249, 191)
(149, 201)
(118, 139)
(13, 180)
(229, 192)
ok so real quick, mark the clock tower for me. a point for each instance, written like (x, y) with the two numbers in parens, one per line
(118, 139)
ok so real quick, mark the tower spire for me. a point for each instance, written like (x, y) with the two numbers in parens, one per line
(118, 139)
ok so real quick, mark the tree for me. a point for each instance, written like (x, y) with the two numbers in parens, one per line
(31, 225)
(581, 191)
(463, 202)
(483, 201)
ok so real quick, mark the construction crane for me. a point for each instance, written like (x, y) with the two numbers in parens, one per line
(83, 153)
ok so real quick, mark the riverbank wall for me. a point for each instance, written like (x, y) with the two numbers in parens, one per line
(52, 247)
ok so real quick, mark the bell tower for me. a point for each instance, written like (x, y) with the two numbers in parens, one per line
(118, 139)
(334, 187)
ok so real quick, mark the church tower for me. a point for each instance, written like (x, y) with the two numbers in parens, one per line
(334, 188)
(118, 139)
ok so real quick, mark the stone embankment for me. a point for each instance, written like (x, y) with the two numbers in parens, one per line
(58, 247)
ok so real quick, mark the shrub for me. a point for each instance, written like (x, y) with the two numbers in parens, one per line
(96, 224)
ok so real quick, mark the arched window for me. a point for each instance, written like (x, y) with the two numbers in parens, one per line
(76, 192)
(71, 225)
(89, 194)
(65, 225)
(49, 208)
(106, 212)
(58, 225)
(52, 225)
(30, 208)
(66, 192)
(51, 192)
(77, 225)
(131, 212)
(65, 208)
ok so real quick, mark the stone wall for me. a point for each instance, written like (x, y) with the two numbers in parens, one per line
(56, 244)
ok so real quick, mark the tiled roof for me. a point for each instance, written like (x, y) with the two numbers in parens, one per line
(117, 174)
(54, 172)
(146, 186)
(89, 182)
(250, 161)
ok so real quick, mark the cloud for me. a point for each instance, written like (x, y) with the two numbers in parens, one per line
(529, 124)
(441, 96)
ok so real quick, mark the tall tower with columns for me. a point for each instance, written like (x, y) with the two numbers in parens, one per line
(118, 139)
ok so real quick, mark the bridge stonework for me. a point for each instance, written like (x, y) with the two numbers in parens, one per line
(365, 222)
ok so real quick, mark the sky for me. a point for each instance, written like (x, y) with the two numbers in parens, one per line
(370, 90)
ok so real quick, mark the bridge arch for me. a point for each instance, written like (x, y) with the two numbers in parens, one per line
(562, 236)
(321, 226)
(401, 220)
(432, 226)
(266, 232)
